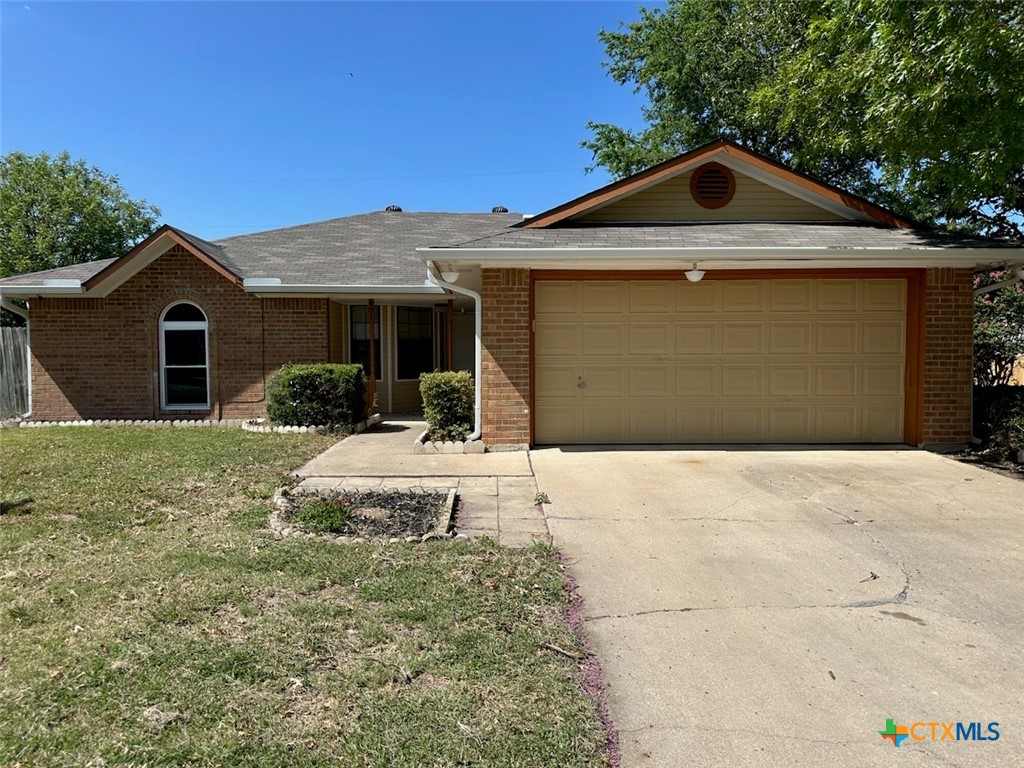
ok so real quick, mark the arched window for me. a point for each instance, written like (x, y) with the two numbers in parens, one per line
(184, 357)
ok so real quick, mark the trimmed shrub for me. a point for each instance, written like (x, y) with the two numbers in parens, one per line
(447, 404)
(317, 394)
(999, 419)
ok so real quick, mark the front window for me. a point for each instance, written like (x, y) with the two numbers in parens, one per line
(414, 336)
(184, 359)
(359, 339)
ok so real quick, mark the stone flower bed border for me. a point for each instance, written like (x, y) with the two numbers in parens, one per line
(249, 425)
(444, 527)
(422, 445)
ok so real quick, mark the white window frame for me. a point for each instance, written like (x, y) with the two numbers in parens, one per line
(181, 325)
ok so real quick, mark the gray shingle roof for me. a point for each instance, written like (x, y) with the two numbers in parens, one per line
(367, 249)
(82, 272)
(727, 235)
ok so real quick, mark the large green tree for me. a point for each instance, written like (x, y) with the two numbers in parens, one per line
(56, 211)
(915, 104)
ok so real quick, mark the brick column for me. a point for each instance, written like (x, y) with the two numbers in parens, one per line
(948, 356)
(506, 356)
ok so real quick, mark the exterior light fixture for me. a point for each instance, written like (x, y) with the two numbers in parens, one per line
(450, 276)
(694, 275)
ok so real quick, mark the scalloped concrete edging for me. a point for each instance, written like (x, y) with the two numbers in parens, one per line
(444, 527)
(260, 425)
(249, 425)
(422, 445)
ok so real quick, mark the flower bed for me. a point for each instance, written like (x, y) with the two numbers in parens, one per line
(390, 515)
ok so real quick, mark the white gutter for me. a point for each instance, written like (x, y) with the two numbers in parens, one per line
(1018, 277)
(435, 276)
(274, 285)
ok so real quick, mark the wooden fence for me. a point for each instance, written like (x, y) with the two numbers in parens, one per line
(13, 372)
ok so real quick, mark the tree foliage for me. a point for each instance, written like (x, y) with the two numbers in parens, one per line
(998, 330)
(56, 211)
(914, 104)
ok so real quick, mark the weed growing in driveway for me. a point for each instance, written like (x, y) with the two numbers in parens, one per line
(145, 620)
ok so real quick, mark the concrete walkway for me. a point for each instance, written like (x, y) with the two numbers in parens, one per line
(775, 607)
(497, 490)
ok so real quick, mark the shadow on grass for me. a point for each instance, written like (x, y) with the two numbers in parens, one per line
(20, 507)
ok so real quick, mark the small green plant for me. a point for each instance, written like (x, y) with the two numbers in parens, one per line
(325, 515)
(317, 395)
(541, 498)
(447, 404)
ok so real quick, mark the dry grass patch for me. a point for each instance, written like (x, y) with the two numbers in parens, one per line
(144, 621)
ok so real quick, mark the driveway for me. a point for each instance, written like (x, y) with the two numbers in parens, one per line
(775, 607)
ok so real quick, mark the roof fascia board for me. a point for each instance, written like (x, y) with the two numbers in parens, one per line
(718, 150)
(915, 257)
(145, 253)
(29, 291)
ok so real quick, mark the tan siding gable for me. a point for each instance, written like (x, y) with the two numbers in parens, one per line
(670, 200)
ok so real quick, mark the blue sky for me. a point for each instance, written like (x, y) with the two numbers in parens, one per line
(235, 117)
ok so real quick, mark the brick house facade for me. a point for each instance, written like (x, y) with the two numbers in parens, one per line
(302, 294)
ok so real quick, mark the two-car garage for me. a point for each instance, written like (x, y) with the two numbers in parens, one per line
(747, 359)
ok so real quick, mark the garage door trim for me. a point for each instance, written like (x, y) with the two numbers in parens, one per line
(913, 376)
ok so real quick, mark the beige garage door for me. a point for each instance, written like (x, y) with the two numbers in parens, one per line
(665, 361)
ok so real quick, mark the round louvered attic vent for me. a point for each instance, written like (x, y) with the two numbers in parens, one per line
(712, 185)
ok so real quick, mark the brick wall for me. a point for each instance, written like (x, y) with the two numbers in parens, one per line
(506, 356)
(99, 358)
(948, 350)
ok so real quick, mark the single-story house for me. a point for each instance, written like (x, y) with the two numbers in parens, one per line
(718, 297)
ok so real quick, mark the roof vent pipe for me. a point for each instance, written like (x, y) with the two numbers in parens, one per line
(499, 209)
(394, 209)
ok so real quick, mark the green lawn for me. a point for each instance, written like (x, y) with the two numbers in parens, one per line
(145, 619)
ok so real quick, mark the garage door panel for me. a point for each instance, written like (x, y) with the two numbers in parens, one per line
(836, 380)
(742, 338)
(652, 424)
(697, 381)
(882, 380)
(650, 339)
(696, 424)
(790, 295)
(696, 339)
(742, 380)
(836, 423)
(789, 338)
(556, 424)
(652, 296)
(786, 381)
(786, 360)
(650, 381)
(555, 297)
(837, 296)
(878, 422)
(836, 338)
(884, 296)
(698, 297)
(604, 424)
(603, 297)
(556, 340)
(600, 339)
(742, 423)
(789, 424)
(603, 381)
(743, 296)
(884, 337)
(557, 381)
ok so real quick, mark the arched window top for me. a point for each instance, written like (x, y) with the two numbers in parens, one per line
(184, 312)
